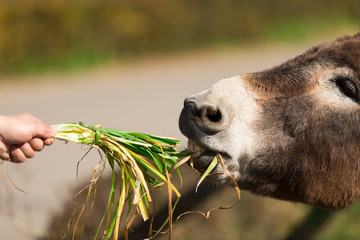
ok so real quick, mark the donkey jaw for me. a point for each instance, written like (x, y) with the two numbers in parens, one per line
(202, 156)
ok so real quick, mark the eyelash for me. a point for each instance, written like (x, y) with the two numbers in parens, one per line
(347, 87)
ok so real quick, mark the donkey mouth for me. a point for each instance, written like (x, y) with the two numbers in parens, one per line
(201, 156)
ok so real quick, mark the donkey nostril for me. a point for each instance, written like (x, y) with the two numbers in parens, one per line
(214, 115)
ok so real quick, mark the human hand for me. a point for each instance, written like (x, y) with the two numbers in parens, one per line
(22, 135)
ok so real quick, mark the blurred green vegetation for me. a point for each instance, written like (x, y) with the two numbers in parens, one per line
(38, 35)
(343, 225)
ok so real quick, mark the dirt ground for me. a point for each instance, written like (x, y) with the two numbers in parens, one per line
(144, 95)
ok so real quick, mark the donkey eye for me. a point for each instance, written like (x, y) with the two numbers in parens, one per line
(348, 87)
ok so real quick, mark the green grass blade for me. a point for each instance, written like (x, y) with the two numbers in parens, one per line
(110, 203)
(212, 165)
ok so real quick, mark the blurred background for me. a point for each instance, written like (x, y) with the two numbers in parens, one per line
(52, 34)
(129, 64)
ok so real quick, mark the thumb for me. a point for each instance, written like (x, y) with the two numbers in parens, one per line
(44, 131)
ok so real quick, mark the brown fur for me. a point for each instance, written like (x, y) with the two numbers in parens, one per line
(320, 163)
(296, 76)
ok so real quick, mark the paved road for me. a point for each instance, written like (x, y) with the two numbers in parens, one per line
(144, 95)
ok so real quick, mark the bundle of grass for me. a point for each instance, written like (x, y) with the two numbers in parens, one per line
(143, 160)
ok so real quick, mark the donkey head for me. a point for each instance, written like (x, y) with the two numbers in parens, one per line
(291, 132)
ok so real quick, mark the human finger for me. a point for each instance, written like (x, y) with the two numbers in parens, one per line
(37, 144)
(4, 151)
(49, 141)
(44, 131)
(27, 150)
(17, 155)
